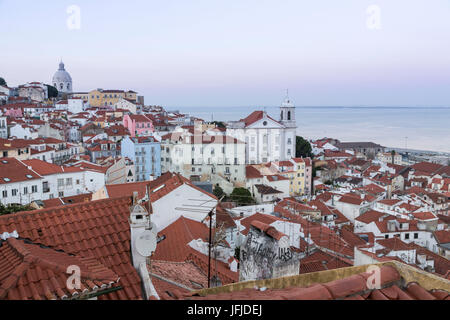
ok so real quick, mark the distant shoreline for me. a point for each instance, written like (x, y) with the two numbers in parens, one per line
(318, 107)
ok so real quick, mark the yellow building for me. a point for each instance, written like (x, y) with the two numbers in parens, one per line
(298, 171)
(80, 95)
(100, 97)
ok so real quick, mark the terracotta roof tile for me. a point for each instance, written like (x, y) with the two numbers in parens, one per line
(77, 229)
(351, 287)
(44, 271)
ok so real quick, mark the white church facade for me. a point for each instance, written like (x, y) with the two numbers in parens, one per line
(266, 138)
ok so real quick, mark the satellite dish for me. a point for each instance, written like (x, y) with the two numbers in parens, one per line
(146, 242)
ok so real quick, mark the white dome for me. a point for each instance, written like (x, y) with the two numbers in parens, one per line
(62, 80)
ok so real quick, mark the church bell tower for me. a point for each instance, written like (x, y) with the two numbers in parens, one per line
(288, 113)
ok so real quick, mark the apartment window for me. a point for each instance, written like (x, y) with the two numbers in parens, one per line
(78, 181)
(5, 193)
(406, 236)
(386, 236)
(289, 141)
(68, 181)
(416, 236)
(34, 189)
(61, 194)
(14, 192)
(25, 190)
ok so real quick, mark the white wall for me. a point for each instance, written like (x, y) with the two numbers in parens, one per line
(181, 202)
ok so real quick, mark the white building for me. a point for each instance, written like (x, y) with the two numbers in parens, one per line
(22, 131)
(266, 138)
(62, 80)
(171, 196)
(26, 181)
(4, 127)
(36, 91)
(219, 159)
(126, 104)
(388, 157)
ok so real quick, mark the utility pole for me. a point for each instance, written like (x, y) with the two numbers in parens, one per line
(210, 242)
(210, 215)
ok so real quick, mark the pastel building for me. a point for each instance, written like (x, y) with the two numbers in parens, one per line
(100, 97)
(138, 125)
(145, 152)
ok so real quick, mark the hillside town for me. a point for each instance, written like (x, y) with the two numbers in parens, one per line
(155, 204)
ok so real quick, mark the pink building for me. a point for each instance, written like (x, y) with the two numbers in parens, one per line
(138, 125)
(12, 111)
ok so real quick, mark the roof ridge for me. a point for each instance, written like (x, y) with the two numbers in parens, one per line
(44, 210)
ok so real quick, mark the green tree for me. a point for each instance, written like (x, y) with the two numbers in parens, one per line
(303, 148)
(237, 253)
(13, 208)
(219, 124)
(242, 196)
(52, 91)
(218, 191)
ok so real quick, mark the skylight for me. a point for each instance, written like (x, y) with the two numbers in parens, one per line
(7, 179)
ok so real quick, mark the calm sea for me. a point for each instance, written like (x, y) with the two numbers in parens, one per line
(421, 128)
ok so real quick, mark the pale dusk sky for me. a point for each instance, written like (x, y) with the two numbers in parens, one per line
(236, 52)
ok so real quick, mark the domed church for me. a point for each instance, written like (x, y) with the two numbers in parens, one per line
(62, 80)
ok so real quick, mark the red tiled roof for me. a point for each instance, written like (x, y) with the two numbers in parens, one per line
(264, 218)
(442, 236)
(351, 200)
(427, 167)
(424, 216)
(263, 189)
(57, 202)
(168, 182)
(31, 272)
(98, 229)
(441, 264)
(267, 229)
(185, 274)
(224, 219)
(383, 226)
(254, 117)
(351, 287)
(218, 268)
(44, 168)
(394, 244)
(322, 261)
(276, 177)
(389, 202)
(350, 237)
(252, 173)
(370, 216)
(177, 236)
(127, 189)
(13, 170)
